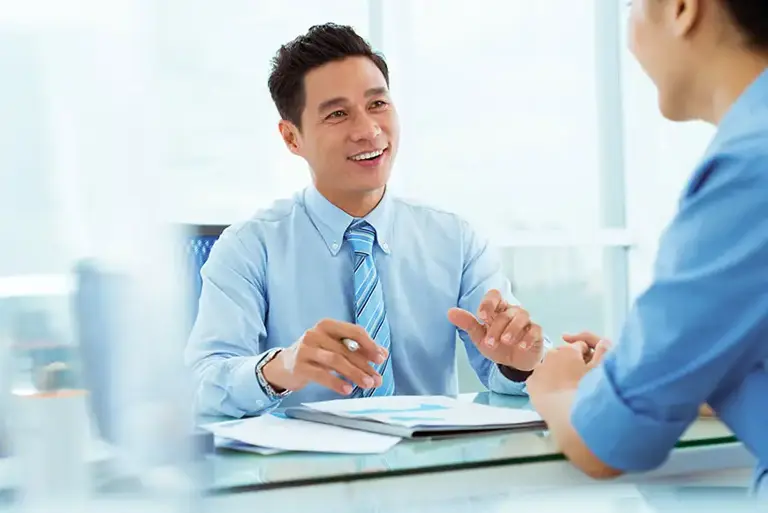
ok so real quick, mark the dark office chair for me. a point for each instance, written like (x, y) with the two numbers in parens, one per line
(201, 240)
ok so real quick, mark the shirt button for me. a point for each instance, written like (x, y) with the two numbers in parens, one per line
(384, 245)
(335, 245)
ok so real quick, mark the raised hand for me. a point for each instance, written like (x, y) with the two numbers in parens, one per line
(501, 332)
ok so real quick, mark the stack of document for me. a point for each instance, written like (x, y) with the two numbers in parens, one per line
(273, 433)
(368, 425)
(417, 416)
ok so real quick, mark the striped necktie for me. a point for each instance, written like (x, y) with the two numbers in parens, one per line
(370, 311)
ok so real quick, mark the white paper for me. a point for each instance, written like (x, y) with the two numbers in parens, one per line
(426, 411)
(286, 434)
(236, 445)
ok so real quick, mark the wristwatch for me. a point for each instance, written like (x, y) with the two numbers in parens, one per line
(270, 392)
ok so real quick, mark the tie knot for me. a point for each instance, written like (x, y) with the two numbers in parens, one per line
(360, 236)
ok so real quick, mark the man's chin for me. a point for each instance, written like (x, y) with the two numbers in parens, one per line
(369, 179)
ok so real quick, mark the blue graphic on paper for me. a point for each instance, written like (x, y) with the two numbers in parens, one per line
(423, 407)
(406, 418)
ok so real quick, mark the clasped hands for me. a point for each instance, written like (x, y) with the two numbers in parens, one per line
(563, 367)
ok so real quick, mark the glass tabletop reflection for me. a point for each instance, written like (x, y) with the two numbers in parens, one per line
(233, 471)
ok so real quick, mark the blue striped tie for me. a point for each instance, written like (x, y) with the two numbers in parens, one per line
(370, 311)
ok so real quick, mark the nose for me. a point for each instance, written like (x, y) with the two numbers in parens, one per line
(366, 128)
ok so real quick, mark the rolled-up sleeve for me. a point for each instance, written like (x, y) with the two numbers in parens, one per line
(693, 335)
(619, 436)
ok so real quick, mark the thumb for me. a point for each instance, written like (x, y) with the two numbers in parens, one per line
(465, 321)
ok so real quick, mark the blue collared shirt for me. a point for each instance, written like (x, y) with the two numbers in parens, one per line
(271, 278)
(699, 333)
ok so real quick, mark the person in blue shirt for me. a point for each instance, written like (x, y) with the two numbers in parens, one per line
(345, 290)
(699, 333)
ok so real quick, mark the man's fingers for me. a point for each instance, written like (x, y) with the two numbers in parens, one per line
(338, 331)
(354, 358)
(489, 306)
(534, 337)
(499, 328)
(322, 376)
(467, 322)
(340, 364)
(585, 336)
(518, 328)
(582, 348)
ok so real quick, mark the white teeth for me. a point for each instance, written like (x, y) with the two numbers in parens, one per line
(366, 156)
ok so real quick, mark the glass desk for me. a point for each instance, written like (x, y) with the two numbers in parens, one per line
(523, 468)
(237, 472)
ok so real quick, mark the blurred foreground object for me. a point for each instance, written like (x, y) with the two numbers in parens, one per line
(93, 291)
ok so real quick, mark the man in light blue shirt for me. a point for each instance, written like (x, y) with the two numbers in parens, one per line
(699, 334)
(345, 290)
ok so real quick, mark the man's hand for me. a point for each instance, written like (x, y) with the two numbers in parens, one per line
(504, 334)
(561, 370)
(593, 347)
(321, 357)
(563, 367)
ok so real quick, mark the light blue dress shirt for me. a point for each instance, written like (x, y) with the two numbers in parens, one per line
(271, 278)
(699, 333)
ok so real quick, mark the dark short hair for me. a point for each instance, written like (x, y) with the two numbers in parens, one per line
(320, 45)
(751, 17)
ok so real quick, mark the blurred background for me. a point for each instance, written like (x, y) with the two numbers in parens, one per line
(123, 121)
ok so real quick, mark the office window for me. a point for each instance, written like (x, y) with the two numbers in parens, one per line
(509, 118)
(569, 287)
(499, 110)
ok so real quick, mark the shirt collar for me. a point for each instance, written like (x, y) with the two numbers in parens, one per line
(744, 108)
(332, 222)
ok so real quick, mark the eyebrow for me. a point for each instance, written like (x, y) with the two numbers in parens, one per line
(338, 101)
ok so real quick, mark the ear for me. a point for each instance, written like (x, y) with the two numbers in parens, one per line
(684, 15)
(290, 134)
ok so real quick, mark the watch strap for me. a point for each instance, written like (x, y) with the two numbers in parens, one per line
(270, 392)
(512, 374)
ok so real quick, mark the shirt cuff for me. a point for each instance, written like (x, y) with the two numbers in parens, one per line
(498, 383)
(620, 437)
(246, 391)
